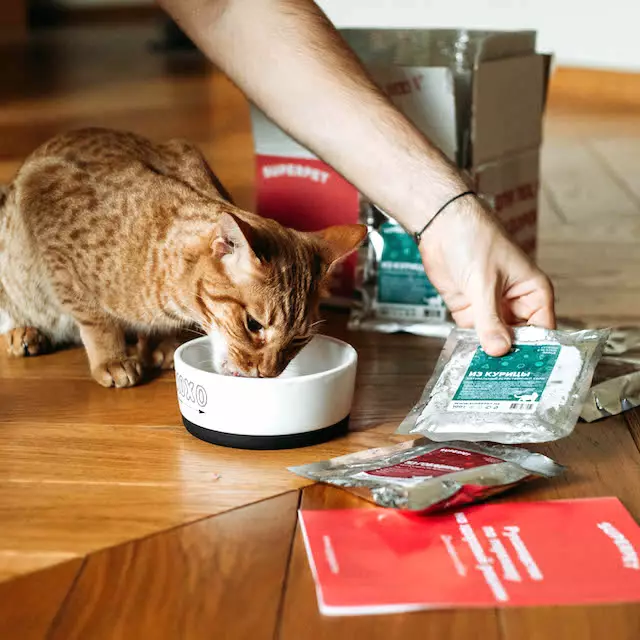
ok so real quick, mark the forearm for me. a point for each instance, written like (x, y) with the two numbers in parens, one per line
(289, 60)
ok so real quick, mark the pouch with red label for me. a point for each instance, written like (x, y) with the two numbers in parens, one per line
(424, 476)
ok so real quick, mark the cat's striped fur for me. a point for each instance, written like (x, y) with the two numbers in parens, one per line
(104, 232)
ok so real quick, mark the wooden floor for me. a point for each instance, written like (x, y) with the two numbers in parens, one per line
(115, 523)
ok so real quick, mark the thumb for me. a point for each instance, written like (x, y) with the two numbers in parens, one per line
(494, 336)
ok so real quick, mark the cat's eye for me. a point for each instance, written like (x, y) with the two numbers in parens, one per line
(253, 325)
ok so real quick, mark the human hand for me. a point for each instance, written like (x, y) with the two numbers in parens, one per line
(485, 280)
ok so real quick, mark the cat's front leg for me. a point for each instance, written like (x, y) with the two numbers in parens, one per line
(156, 351)
(162, 353)
(21, 339)
(26, 341)
(106, 347)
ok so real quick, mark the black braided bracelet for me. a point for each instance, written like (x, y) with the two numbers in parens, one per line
(417, 236)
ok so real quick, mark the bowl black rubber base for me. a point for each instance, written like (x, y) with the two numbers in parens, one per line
(291, 441)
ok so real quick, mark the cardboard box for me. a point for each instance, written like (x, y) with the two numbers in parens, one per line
(479, 96)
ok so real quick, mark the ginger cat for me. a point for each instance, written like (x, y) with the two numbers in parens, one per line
(103, 233)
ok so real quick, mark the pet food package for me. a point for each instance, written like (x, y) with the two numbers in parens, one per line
(533, 394)
(393, 292)
(478, 95)
(612, 397)
(422, 476)
(616, 387)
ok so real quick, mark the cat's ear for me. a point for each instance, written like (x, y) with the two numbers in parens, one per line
(231, 235)
(339, 241)
(231, 244)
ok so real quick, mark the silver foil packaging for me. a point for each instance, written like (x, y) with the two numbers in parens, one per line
(423, 476)
(393, 292)
(612, 397)
(533, 394)
(616, 380)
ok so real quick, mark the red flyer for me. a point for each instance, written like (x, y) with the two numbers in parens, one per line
(560, 552)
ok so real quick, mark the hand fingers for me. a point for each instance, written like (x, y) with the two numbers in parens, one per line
(545, 315)
(535, 306)
(492, 332)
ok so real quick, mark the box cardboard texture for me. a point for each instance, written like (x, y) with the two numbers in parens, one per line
(479, 96)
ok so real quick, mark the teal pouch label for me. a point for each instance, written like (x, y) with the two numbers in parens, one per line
(403, 289)
(513, 383)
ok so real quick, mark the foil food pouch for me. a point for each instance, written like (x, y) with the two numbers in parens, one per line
(532, 394)
(612, 397)
(394, 294)
(422, 476)
(616, 382)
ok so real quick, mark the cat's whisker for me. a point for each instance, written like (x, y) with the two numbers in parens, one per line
(195, 332)
(156, 318)
(313, 328)
(193, 311)
(192, 328)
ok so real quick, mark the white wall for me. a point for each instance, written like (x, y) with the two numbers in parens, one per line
(585, 33)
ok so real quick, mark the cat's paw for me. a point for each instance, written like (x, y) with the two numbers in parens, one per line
(162, 356)
(119, 373)
(23, 342)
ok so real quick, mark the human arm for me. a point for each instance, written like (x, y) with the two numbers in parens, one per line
(288, 58)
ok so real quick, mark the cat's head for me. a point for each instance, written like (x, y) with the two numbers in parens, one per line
(257, 288)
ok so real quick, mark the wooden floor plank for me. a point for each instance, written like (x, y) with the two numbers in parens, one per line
(621, 622)
(573, 123)
(632, 419)
(617, 231)
(29, 604)
(68, 364)
(549, 213)
(604, 286)
(59, 401)
(14, 563)
(97, 485)
(221, 577)
(302, 619)
(613, 267)
(579, 185)
(600, 304)
(620, 157)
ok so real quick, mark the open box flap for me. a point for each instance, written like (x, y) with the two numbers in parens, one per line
(437, 47)
(506, 44)
(507, 107)
(548, 67)
(426, 95)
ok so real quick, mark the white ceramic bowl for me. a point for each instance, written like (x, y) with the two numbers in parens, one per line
(308, 403)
